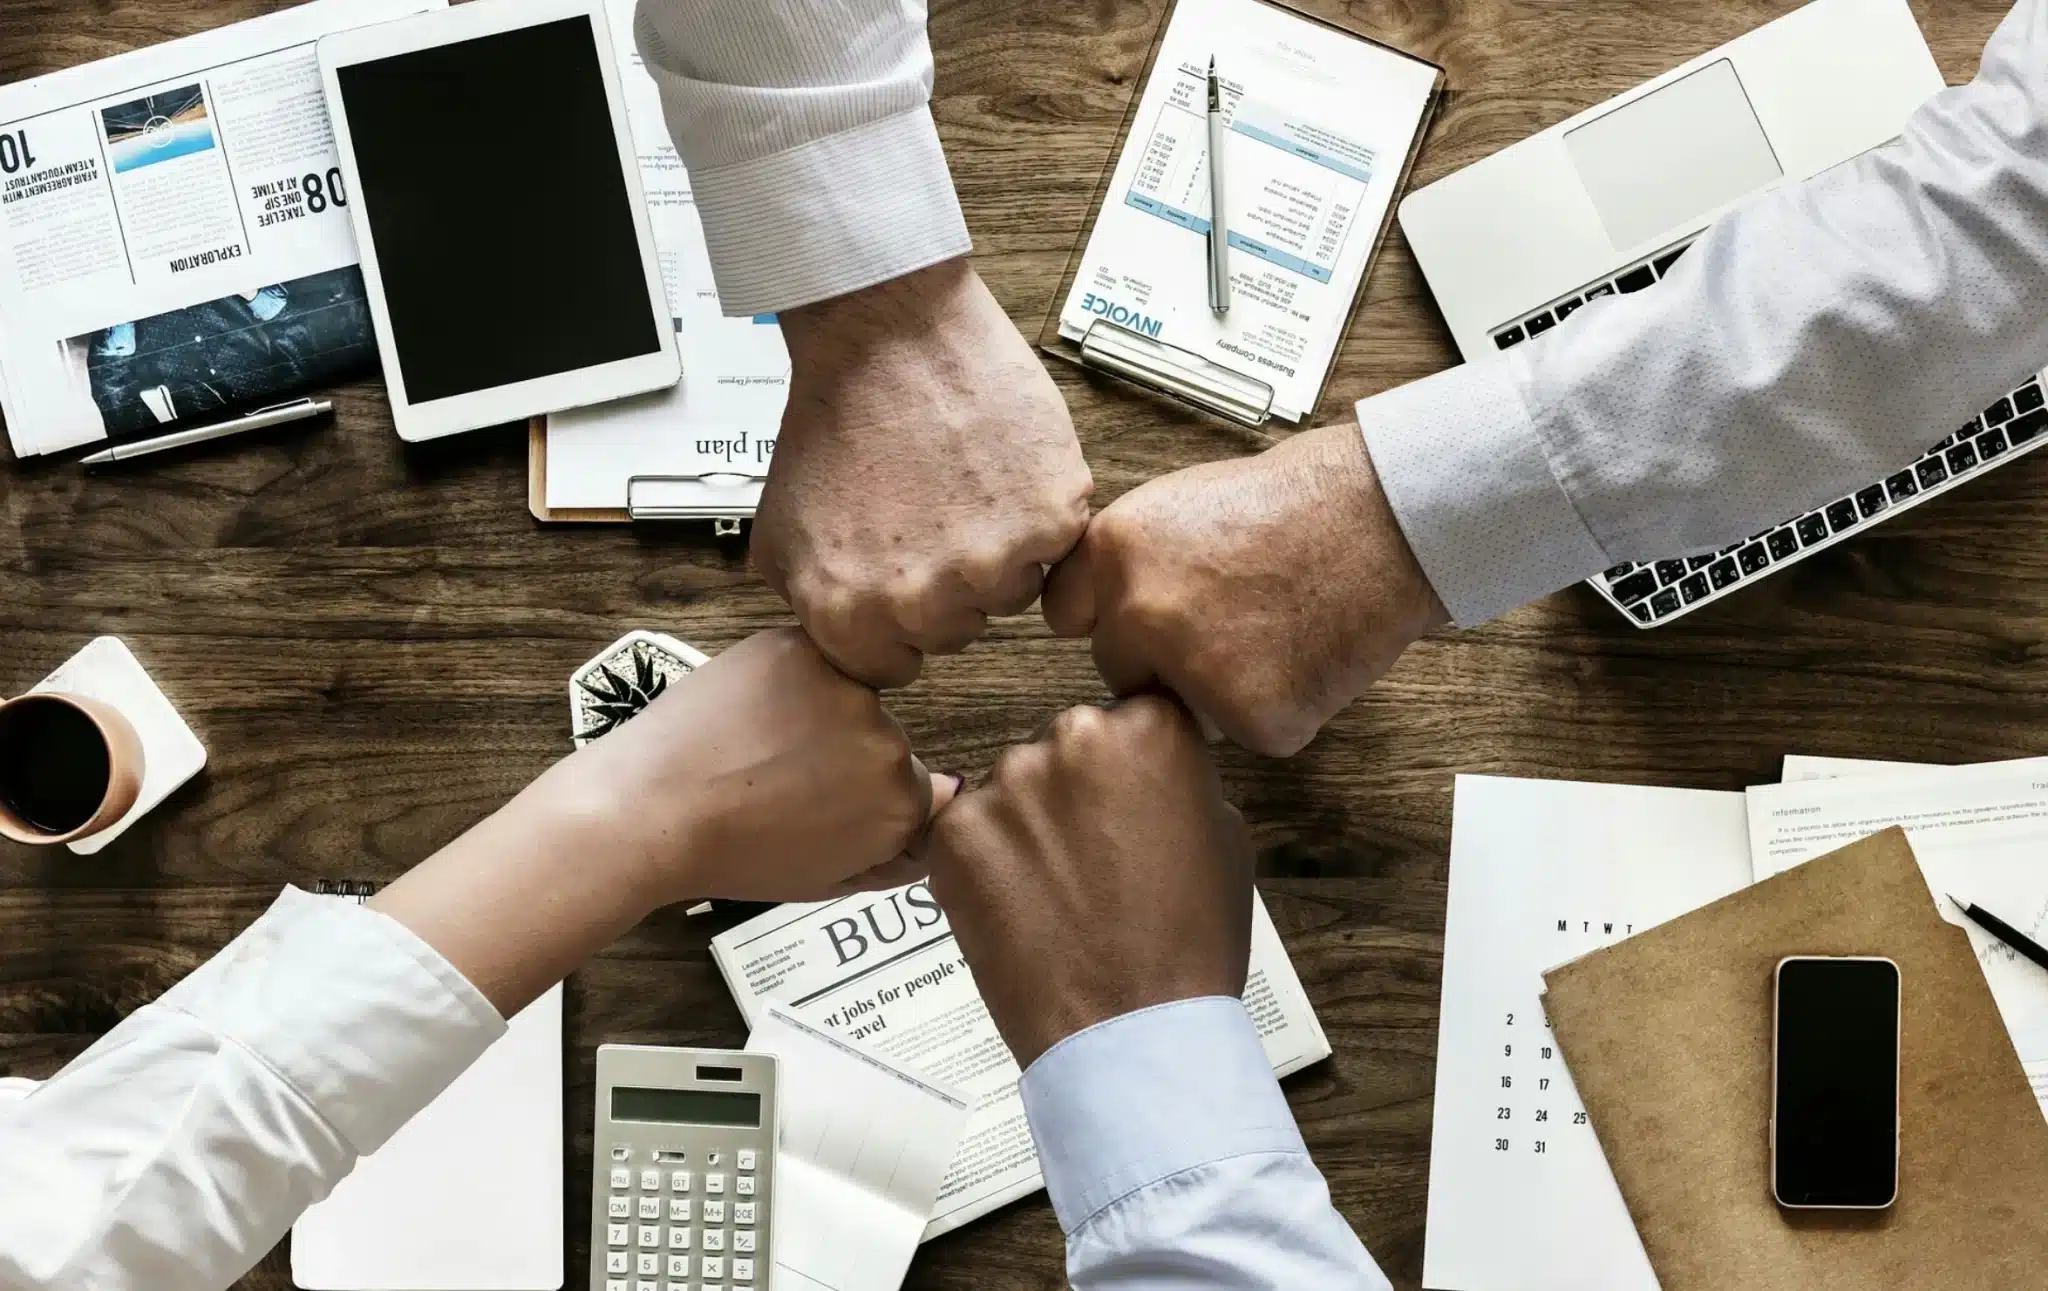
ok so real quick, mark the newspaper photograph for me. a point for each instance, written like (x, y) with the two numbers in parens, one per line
(883, 969)
(195, 186)
(224, 357)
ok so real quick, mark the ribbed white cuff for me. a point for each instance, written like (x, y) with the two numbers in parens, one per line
(1472, 488)
(830, 217)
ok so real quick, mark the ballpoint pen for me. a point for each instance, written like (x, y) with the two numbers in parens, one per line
(2004, 931)
(278, 416)
(1219, 235)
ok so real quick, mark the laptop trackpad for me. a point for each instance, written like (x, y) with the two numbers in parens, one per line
(1669, 156)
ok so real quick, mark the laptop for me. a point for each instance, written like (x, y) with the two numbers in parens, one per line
(1607, 201)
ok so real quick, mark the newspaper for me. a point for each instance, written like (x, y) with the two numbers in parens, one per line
(883, 969)
(174, 233)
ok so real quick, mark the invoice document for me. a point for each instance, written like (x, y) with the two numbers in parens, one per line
(724, 417)
(1543, 871)
(861, 1150)
(1980, 833)
(1320, 124)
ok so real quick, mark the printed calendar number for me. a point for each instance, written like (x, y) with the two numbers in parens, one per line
(1500, 1145)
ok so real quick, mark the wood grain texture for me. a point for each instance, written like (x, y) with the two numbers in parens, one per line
(372, 639)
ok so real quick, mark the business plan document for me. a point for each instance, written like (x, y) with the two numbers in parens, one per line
(1320, 124)
(1543, 871)
(1980, 833)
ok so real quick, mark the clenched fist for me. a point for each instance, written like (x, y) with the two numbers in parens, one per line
(1267, 593)
(926, 474)
(1097, 872)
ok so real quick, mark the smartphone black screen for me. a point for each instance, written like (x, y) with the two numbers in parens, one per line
(502, 221)
(1837, 1097)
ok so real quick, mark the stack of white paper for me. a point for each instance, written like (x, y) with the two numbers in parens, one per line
(862, 1149)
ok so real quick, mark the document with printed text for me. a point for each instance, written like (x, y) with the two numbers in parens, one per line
(882, 970)
(1320, 126)
(1980, 833)
(1520, 1196)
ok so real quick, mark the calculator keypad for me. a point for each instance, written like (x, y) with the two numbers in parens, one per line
(652, 1243)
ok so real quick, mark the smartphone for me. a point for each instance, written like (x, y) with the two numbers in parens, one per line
(1835, 1083)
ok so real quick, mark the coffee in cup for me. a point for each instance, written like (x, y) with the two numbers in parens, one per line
(70, 766)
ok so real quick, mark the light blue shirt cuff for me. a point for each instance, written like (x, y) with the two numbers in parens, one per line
(1471, 484)
(1149, 1095)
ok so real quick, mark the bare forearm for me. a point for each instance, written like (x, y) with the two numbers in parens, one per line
(523, 898)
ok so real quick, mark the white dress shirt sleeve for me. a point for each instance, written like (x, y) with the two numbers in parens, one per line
(806, 126)
(1174, 1162)
(1815, 339)
(177, 1151)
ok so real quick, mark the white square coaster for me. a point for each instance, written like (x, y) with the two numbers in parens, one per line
(612, 688)
(171, 754)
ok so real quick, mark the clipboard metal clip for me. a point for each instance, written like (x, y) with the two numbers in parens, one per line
(726, 498)
(1180, 373)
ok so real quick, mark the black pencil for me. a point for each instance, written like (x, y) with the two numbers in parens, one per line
(2004, 931)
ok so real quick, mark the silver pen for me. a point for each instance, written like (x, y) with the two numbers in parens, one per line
(300, 410)
(1219, 236)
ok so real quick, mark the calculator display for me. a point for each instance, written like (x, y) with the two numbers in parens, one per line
(685, 1106)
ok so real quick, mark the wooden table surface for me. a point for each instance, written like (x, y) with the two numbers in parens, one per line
(372, 640)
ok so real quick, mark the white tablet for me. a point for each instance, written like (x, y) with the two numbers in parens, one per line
(492, 180)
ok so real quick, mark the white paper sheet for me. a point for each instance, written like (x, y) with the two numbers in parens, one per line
(726, 414)
(1320, 124)
(862, 1149)
(1520, 1197)
(468, 1195)
(1980, 833)
(1800, 766)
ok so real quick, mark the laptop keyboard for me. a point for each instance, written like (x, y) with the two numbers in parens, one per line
(1655, 592)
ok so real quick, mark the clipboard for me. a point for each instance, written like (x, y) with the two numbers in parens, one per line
(1229, 393)
(726, 500)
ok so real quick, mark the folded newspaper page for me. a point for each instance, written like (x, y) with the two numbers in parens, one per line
(883, 969)
(174, 234)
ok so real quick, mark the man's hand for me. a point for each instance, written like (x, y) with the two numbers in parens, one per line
(766, 775)
(1097, 872)
(926, 473)
(1267, 593)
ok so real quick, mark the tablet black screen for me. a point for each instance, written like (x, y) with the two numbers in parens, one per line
(499, 210)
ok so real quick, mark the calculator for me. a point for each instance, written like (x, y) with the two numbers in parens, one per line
(683, 1182)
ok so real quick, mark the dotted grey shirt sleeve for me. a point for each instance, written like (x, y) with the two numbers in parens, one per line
(1813, 340)
(806, 126)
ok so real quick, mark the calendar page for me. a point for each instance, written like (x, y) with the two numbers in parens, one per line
(1542, 871)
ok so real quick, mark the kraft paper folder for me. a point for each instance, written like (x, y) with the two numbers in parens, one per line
(1668, 1037)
